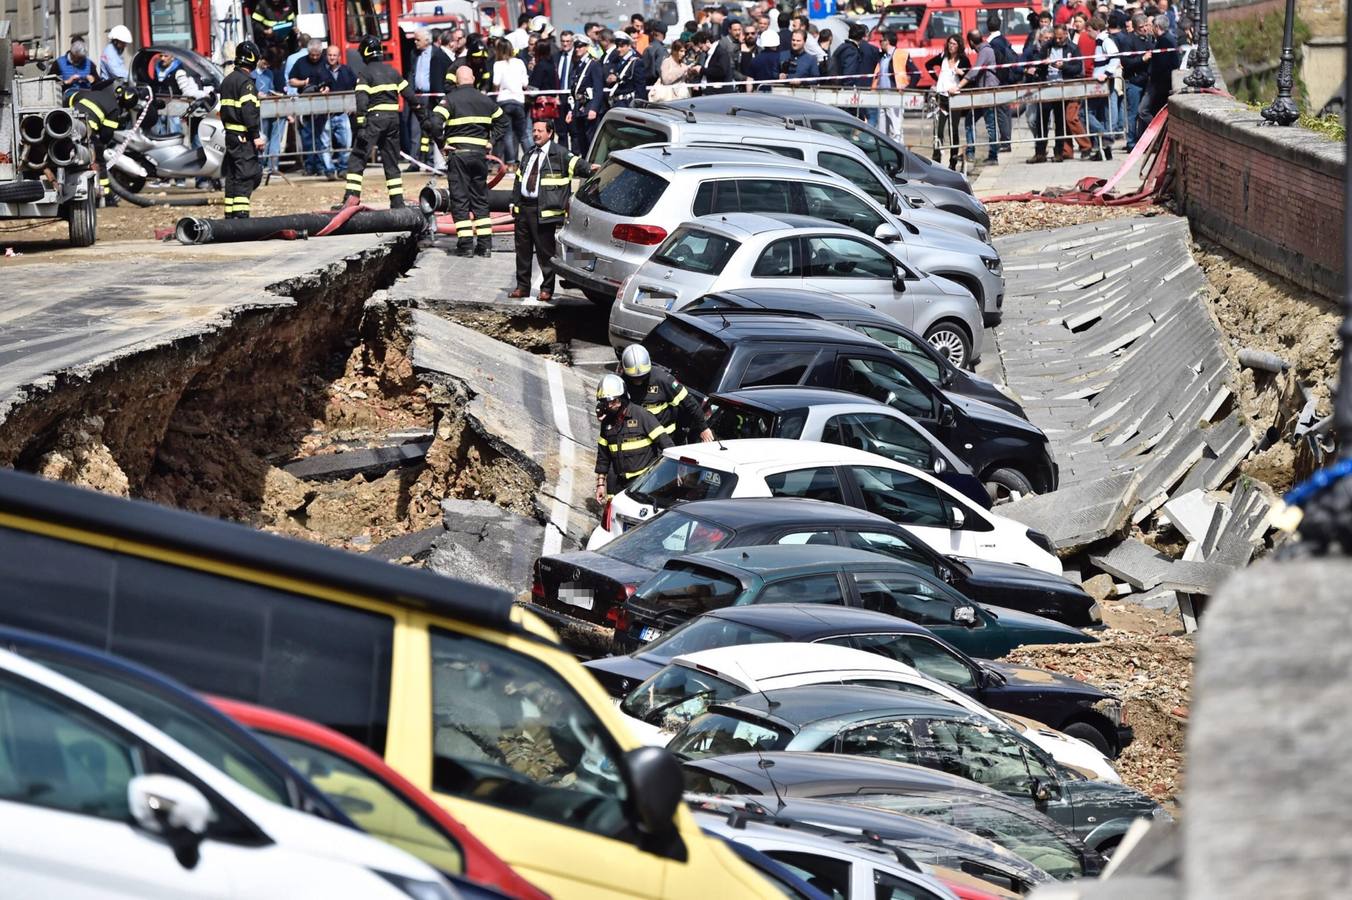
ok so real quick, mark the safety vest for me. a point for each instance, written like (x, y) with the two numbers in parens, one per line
(663, 398)
(557, 168)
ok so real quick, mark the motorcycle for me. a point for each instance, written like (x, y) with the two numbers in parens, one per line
(145, 156)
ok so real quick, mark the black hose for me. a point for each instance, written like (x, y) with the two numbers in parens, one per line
(138, 200)
(223, 231)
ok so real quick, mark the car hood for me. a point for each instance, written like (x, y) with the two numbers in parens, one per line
(986, 415)
(621, 674)
(576, 565)
(1015, 620)
(1041, 679)
(936, 238)
(985, 573)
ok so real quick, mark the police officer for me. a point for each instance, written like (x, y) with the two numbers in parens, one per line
(622, 77)
(469, 122)
(631, 440)
(379, 88)
(241, 171)
(104, 110)
(657, 390)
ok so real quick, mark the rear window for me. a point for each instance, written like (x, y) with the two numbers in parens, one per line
(616, 135)
(731, 421)
(622, 190)
(696, 251)
(706, 633)
(694, 357)
(692, 588)
(673, 481)
(669, 534)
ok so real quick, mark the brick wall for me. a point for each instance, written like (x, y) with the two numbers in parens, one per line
(1272, 195)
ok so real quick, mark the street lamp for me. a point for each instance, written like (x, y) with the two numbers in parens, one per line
(1283, 110)
(1201, 77)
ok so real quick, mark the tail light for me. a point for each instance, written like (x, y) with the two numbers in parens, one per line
(537, 587)
(647, 235)
(623, 592)
(620, 617)
(607, 517)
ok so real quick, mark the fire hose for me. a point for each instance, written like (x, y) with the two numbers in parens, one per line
(351, 220)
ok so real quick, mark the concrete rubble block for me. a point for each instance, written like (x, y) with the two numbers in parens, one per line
(485, 543)
(1134, 562)
(417, 544)
(348, 463)
(1161, 598)
(1100, 587)
(1191, 514)
(1077, 515)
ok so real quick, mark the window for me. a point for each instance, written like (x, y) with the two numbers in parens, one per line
(777, 367)
(808, 537)
(509, 732)
(883, 156)
(695, 358)
(718, 734)
(615, 136)
(887, 544)
(57, 757)
(840, 206)
(942, 23)
(697, 782)
(377, 808)
(813, 589)
(857, 174)
(882, 740)
(782, 259)
(729, 422)
(367, 17)
(706, 633)
(981, 751)
(764, 195)
(670, 534)
(908, 347)
(694, 589)
(901, 497)
(907, 597)
(1013, 21)
(830, 876)
(882, 435)
(672, 481)
(622, 190)
(677, 694)
(715, 197)
(171, 23)
(885, 383)
(820, 483)
(925, 654)
(837, 257)
(696, 251)
(890, 887)
(790, 152)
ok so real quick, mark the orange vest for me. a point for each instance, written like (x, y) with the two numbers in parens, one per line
(899, 77)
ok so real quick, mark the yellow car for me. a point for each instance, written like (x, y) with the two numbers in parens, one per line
(467, 695)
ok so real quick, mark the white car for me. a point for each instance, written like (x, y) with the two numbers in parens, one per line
(689, 684)
(95, 804)
(950, 522)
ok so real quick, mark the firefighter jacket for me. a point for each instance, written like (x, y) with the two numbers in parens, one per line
(630, 444)
(239, 103)
(102, 114)
(668, 401)
(479, 63)
(557, 169)
(278, 16)
(379, 89)
(467, 119)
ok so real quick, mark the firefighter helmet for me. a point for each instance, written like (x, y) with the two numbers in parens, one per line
(371, 49)
(246, 54)
(635, 361)
(125, 94)
(610, 388)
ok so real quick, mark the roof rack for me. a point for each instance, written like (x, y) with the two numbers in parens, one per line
(787, 120)
(648, 104)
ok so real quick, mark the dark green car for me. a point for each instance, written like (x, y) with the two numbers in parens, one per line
(828, 574)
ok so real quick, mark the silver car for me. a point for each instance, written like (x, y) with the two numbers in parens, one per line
(734, 250)
(630, 206)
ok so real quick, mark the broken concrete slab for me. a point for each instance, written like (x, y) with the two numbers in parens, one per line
(417, 544)
(367, 462)
(1191, 513)
(484, 543)
(1079, 514)
(1134, 562)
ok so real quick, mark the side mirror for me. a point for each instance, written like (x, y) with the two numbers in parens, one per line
(173, 809)
(886, 234)
(899, 281)
(1044, 791)
(940, 465)
(657, 784)
(964, 615)
(947, 418)
(956, 517)
(894, 204)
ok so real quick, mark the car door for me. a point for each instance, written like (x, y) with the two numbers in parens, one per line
(884, 435)
(812, 482)
(859, 175)
(890, 381)
(909, 500)
(824, 588)
(913, 599)
(910, 347)
(854, 268)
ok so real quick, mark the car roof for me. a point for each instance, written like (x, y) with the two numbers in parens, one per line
(739, 224)
(813, 621)
(779, 398)
(750, 454)
(756, 662)
(732, 326)
(749, 511)
(728, 160)
(802, 706)
(779, 560)
(828, 306)
(830, 772)
(772, 104)
(726, 123)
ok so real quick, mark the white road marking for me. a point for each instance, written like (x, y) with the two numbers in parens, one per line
(563, 488)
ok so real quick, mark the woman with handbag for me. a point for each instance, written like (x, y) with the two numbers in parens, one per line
(544, 76)
(671, 79)
(947, 69)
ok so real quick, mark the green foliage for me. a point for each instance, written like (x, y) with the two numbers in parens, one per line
(1253, 42)
(1331, 127)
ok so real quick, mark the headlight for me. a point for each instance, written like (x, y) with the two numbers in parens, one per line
(914, 202)
(1111, 709)
(1041, 540)
(992, 264)
(416, 888)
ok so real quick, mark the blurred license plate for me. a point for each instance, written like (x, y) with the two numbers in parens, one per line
(648, 633)
(661, 301)
(575, 595)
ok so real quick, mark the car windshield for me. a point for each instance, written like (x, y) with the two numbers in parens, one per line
(718, 734)
(657, 540)
(677, 694)
(680, 481)
(978, 750)
(696, 251)
(690, 587)
(1021, 834)
(695, 358)
(732, 421)
(706, 633)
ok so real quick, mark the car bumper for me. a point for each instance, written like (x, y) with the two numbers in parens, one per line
(576, 275)
(629, 324)
(1125, 735)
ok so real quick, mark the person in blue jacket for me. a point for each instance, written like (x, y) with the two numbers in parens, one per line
(76, 69)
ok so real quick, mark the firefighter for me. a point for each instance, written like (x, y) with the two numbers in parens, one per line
(378, 91)
(241, 170)
(469, 122)
(631, 440)
(274, 24)
(657, 390)
(105, 111)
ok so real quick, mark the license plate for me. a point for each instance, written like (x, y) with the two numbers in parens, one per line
(575, 595)
(648, 633)
(643, 298)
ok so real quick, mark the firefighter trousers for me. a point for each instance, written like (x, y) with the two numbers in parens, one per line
(467, 173)
(241, 173)
(381, 132)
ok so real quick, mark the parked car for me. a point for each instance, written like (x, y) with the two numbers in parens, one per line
(98, 803)
(590, 585)
(836, 576)
(869, 321)
(402, 661)
(715, 353)
(950, 522)
(788, 883)
(878, 723)
(690, 683)
(382, 802)
(1072, 707)
(627, 128)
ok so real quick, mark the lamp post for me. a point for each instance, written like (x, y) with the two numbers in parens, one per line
(1201, 77)
(1283, 110)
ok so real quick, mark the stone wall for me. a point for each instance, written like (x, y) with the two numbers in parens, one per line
(1272, 195)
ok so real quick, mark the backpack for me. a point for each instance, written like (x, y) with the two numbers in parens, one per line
(1004, 54)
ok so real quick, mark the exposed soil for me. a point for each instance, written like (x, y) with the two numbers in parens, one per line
(1016, 218)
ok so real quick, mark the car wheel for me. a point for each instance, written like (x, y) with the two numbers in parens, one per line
(1005, 485)
(601, 298)
(1109, 847)
(952, 341)
(1090, 735)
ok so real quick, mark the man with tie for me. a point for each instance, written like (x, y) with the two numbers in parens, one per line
(538, 201)
(586, 94)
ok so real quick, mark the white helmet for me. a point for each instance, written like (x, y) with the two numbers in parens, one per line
(610, 388)
(119, 33)
(538, 24)
(635, 361)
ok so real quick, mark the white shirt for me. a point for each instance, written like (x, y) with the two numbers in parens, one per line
(534, 160)
(947, 82)
(510, 78)
(1106, 59)
(519, 39)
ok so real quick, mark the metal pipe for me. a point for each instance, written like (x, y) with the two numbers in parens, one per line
(434, 200)
(59, 124)
(1283, 110)
(66, 152)
(32, 129)
(34, 157)
(221, 231)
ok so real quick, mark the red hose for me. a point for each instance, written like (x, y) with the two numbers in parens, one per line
(501, 224)
(340, 217)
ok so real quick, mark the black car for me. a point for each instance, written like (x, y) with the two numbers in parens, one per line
(609, 576)
(867, 320)
(727, 351)
(1072, 707)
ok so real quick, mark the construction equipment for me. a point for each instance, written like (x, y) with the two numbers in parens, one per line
(46, 159)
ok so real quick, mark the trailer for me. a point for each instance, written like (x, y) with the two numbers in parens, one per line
(46, 160)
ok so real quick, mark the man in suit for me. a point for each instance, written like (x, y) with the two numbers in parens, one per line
(586, 95)
(650, 63)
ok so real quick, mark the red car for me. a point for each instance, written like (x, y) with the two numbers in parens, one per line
(380, 800)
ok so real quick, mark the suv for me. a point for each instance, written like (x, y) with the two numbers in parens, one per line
(630, 205)
(625, 129)
(735, 350)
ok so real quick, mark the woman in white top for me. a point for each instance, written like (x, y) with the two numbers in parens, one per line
(952, 65)
(509, 80)
(671, 77)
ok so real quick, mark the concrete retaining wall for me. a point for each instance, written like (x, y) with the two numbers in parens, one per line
(1272, 195)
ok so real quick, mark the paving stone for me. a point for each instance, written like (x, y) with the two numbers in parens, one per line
(1191, 514)
(369, 462)
(484, 543)
(417, 544)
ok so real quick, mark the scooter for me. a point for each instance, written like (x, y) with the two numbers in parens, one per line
(147, 156)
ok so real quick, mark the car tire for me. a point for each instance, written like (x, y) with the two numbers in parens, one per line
(1109, 847)
(600, 298)
(1090, 735)
(952, 340)
(1005, 485)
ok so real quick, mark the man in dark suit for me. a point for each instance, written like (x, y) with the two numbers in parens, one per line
(586, 95)
(650, 64)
